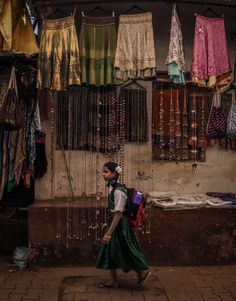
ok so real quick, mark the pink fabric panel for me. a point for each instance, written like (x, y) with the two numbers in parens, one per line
(210, 53)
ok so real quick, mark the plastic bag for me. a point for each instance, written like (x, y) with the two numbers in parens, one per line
(20, 257)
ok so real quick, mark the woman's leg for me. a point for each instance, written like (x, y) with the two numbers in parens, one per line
(113, 275)
(139, 274)
(113, 283)
(142, 277)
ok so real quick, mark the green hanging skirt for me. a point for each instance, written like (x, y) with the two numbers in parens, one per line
(97, 50)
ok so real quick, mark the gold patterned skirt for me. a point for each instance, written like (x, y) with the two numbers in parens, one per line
(58, 63)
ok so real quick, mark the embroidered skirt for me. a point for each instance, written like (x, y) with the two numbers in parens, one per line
(210, 64)
(135, 52)
(58, 63)
(97, 50)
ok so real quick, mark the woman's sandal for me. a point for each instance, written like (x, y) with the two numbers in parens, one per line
(142, 281)
(109, 284)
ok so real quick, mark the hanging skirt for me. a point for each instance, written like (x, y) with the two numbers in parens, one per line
(210, 64)
(97, 50)
(58, 63)
(135, 52)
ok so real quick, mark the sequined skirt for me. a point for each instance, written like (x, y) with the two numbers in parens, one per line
(210, 64)
(58, 63)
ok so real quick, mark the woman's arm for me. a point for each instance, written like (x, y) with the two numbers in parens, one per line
(119, 206)
(117, 216)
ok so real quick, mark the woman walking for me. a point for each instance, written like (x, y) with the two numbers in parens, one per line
(119, 248)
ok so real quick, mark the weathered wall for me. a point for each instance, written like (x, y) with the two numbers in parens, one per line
(170, 237)
(216, 174)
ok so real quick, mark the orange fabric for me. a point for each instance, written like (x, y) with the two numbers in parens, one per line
(23, 37)
(16, 31)
(6, 25)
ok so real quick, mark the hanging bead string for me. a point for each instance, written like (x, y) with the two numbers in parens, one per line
(92, 100)
(84, 222)
(177, 127)
(75, 210)
(99, 144)
(161, 114)
(52, 144)
(111, 133)
(202, 139)
(68, 203)
(52, 162)
(120, 132)
(60, 106)
(150, 185)
(185, 127)
(135, 95)
(91, 93)
(99, 104)
(194, 131)
(171, 126)
(122, 136)
(78, 211)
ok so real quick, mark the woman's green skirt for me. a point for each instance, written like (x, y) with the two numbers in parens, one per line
(123, 250)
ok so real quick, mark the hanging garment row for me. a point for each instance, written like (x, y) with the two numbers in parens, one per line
(22, 140)
(101, 57)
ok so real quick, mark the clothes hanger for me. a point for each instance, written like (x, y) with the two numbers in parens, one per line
(209, 12)
(134, 82)
(135, 7)
(97, 9)
(230, 88)
(58, 13)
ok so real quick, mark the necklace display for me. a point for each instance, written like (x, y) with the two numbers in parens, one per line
(186, 124)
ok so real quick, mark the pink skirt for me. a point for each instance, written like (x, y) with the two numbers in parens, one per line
(210, 54)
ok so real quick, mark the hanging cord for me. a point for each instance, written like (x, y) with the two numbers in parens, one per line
(60, 135)
(171, 126)
(202, 139)
(161, 114)
(185, 155)
(177, 127)
(194, 132)
(67, 171)
(52, 153)
(66, 164)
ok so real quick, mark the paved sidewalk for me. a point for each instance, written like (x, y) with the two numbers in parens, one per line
(206, 283)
